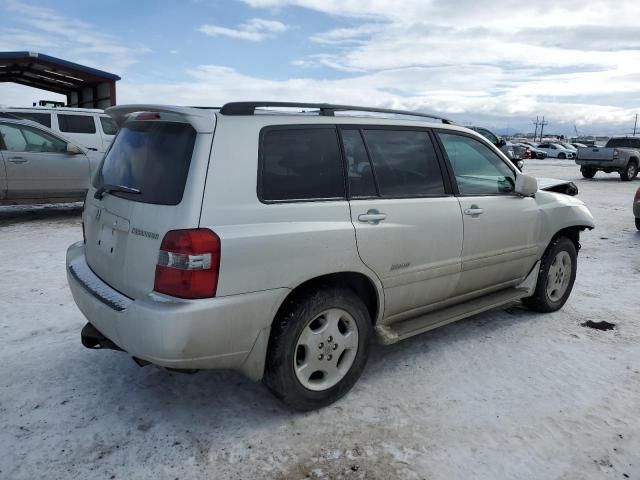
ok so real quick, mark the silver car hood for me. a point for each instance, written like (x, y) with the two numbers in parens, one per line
(560, 186)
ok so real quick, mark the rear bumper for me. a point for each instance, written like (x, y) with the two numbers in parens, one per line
(170, 332)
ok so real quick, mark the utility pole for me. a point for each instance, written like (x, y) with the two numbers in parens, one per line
(535, 134)
(542, 124)
(635, 125)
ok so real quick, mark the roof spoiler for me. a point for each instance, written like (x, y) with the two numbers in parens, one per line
(202, 120)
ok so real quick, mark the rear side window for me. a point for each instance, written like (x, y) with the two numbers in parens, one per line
(623, 143)
(151, 156)
(109, 127)
(76, 123)
(405, 163)
(41, 118)
(300, 164)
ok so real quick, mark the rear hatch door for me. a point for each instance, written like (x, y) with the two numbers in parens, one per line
(150, 181)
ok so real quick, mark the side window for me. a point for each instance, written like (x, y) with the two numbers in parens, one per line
(76, 123)
(301, 164)
(404, 162)
(41, 118)
(27, 139)
(478, 170)
(361, 182)
(13, 139)
(109, 127)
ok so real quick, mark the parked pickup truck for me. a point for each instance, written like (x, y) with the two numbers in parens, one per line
(620, 154)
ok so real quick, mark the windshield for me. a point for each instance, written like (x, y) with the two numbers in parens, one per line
(152, 157)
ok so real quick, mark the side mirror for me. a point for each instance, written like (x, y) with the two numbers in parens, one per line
(73, 149)
(526, 185)
(501, 143)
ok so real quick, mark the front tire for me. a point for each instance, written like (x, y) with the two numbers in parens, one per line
(556, 277)
(630, 172)
(638, 223)
(588, 172)
(318, 349)
(562, 156)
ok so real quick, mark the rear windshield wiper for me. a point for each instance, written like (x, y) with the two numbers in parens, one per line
(106, 188)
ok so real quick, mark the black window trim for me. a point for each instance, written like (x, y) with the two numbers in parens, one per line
(298, 126)
(452, 176)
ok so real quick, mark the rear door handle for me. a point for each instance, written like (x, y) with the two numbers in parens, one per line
(372, 217)
(17, 159)
(474, 211)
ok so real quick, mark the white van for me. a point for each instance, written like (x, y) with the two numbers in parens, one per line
(92, 129)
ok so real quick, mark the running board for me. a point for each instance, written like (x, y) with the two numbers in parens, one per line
(389, 334)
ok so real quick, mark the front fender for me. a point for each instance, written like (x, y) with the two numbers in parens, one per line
(560, 211)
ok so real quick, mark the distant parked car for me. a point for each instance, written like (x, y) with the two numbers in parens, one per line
(568, 146)
(636, 208)
(555, 150)
(621, 154)
(535, 152)
(39, 166)
(92, 129)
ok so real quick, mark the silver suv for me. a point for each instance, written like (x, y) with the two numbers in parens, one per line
(281, 244)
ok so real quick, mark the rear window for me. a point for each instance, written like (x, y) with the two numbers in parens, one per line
(76, 123)
(623, 143)
(41, 118)
(301, 164)
(153, 157)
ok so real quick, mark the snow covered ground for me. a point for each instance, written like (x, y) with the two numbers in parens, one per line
(506, 394)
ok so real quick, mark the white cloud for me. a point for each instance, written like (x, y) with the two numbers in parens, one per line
(462, 93)
(254, 30)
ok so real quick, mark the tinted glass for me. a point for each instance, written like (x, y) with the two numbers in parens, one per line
(41, 118)
(478, 170)
(405, 163)
(361, 183)
(109, 127)
(624, 143)
(76, 123)
(26, 139)
(301, 163)
(153, 157)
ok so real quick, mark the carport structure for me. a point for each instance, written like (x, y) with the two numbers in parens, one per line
(84, 87)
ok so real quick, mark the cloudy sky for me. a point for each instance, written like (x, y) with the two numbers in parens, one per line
(496, 63)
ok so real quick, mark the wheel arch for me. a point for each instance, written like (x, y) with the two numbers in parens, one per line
(572, 233)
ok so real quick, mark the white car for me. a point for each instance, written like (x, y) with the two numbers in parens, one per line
(281, 245)
(555, 150)
(90, 128)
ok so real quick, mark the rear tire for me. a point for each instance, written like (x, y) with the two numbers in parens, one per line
(556, 277)
(318, 349)
(638, 223)
(630, 172)
(588, 172)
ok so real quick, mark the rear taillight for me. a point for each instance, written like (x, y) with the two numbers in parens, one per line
(637, 197)
(188, 264)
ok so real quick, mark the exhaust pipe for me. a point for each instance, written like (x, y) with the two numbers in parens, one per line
(93, 339)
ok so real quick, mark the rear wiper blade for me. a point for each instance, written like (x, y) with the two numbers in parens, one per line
(114, 188)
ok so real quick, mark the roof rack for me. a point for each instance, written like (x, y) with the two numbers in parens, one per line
(325, 109)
